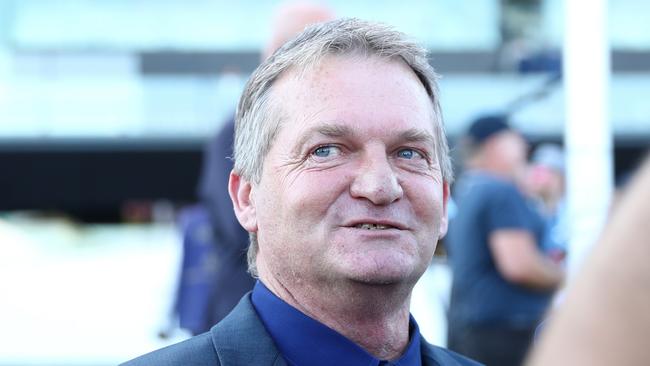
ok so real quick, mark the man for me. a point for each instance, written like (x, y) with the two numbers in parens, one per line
(341, 178)
(545, 182)
(502, 283)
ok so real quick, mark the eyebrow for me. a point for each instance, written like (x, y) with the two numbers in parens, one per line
(337, 131)
(328, 130)
(416, 135)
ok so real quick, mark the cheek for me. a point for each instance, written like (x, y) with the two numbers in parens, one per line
(513, 150)
(427, 206)
(312, 195)
(516, 154)
(427, 200)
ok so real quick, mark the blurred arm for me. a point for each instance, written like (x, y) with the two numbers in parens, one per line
(519, 261)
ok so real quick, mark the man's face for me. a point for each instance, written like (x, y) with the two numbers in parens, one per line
(508, 150)
(351, 188)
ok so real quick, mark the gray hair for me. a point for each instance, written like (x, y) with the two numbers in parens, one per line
(258, 121)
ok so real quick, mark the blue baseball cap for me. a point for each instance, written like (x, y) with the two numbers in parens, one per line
(486, 126)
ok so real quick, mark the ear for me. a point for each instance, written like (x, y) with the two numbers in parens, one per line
(444, 219)
(241, 195)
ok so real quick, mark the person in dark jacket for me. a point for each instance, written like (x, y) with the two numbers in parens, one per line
(341, 178)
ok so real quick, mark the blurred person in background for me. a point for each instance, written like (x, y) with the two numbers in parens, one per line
(341, 177)
(545, 182)
(502, 282)
(604, 318)
(223, 264)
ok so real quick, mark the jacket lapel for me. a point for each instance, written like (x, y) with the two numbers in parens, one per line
(241, 339)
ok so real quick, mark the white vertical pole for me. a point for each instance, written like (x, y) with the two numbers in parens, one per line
(5, 13)
(588, 136)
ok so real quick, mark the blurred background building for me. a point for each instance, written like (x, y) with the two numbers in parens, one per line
(105, 107)
(111, 101)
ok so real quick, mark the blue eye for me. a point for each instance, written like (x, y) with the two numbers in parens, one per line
(408, 154)
(325, 151)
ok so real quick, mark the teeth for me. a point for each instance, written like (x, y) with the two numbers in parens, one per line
(372, 226)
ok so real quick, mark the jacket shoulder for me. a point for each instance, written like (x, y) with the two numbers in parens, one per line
(195, 351)
(239, 339)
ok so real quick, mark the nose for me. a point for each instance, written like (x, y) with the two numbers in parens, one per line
(376, 181)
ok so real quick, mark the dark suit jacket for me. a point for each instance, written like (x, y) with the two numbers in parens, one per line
(240, 339)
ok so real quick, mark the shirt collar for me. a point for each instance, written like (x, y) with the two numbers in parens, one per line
(305, 341)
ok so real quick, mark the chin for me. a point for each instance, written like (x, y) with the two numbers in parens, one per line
(385, 276)
(379, 264)
(379, 281)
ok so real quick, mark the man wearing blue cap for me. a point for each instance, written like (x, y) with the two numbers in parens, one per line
(502, 282)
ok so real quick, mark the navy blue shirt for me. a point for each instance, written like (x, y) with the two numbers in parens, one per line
(480, 295)
(305, 341)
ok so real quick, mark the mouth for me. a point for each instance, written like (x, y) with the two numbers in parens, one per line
(369, 226)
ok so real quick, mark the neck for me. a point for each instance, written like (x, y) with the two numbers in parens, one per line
(375, 317)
